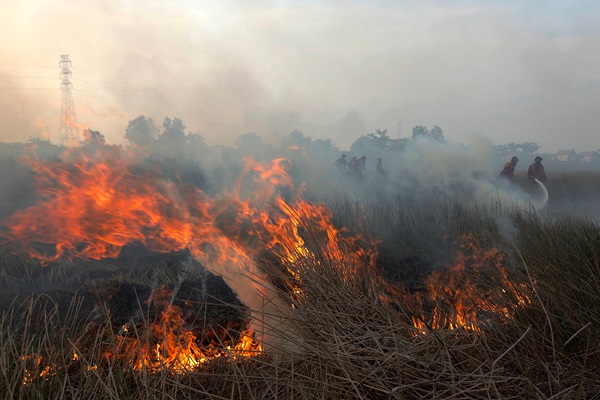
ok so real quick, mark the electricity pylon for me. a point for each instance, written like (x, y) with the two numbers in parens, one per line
(69, 128)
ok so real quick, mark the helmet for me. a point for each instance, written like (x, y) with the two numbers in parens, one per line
(538, 158)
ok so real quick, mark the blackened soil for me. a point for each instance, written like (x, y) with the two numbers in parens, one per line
(133, 289)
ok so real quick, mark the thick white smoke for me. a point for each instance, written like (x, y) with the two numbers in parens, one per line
(424, 170)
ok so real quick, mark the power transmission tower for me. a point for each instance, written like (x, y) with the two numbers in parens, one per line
(69, 128)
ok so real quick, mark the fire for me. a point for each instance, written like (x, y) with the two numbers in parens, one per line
(94, 202)
(170, 345)
(456, 298)
(36, 366)
(93, 207)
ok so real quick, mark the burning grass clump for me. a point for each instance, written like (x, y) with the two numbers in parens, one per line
(71, 358)
(142, 320)
(550, 263)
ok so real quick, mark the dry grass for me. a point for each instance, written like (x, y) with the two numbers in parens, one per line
(349, 341)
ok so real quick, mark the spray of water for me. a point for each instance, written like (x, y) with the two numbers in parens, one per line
(544, 198)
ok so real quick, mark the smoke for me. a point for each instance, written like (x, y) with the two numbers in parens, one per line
(20, 111)
(226, 68)
(506, 229)
(424, 170)
(255, 292)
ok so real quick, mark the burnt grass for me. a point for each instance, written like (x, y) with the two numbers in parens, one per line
(127, 291)
(132, 290)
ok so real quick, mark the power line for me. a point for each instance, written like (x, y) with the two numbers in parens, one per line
(23, 76)
(93, 86)
(25, 88)
(26, 65)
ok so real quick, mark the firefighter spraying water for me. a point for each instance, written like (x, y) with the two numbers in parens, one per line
(536, 171)
(537, 175)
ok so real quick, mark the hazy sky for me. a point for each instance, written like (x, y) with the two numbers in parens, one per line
(511, 71)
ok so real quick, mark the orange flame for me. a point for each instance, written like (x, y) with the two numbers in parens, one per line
(456, 297)
(170, 345)
(94, 202)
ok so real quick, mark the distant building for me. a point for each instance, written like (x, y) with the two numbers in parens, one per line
(590, 156)
(566, 155)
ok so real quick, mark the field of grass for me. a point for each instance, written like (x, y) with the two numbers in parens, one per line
(342, 338)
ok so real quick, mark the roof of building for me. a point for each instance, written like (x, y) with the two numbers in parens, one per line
(565, 152)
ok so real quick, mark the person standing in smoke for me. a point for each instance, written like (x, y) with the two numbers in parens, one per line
(341, 162)
(361, 167)
(536, 171)
(508, 172)
(380, 169)
(352, 165)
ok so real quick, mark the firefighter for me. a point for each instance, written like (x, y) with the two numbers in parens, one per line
(508, 172)
(380, 169)
(361, 167)
(352, 165)
(341, 162)
(536, 171)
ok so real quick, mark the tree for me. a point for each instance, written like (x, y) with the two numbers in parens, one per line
(196, 139)
(323, 149)
(195, 144)
(249, 140)
(44, 148)
(525, 149)
(251, 144)
(93, 137)
(296, 139)
(361, 145)
(380, 139)
(419, 131)
(141, 131)
(437, 133)
(173, 132)
(398, 145)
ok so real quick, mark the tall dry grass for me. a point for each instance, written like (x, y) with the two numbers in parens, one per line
(352, 338)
